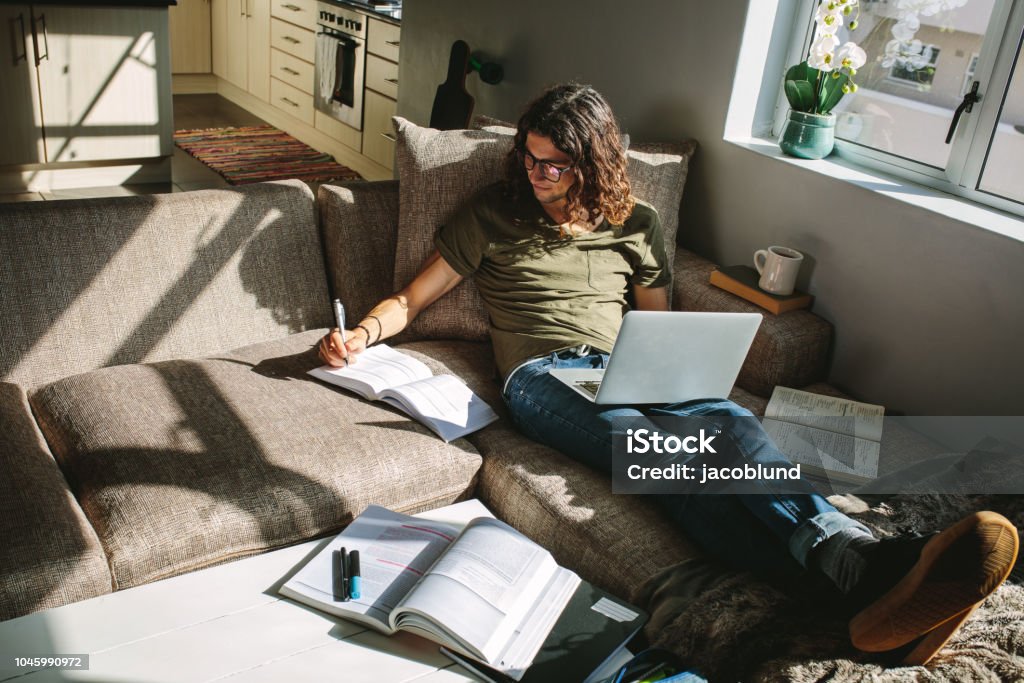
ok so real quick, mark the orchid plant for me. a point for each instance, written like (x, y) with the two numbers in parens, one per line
(817, 84)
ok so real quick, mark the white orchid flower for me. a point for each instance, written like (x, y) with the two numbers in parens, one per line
(892, 54)
(825, 41)
(829, 19)
(906, 28)
(851, 56)
(821, 56)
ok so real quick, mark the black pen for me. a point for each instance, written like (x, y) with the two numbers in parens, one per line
(355, 580)
(340, 575)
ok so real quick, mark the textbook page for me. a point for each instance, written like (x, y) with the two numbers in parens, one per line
(375, 369)
(395, 551)
(827, 435)
(861, 420)
(823, 452)
(491, 588)
(444, 403)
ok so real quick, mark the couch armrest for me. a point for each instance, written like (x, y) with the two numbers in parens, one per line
(790, 349)
(359, 224)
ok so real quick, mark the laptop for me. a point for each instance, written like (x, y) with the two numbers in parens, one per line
(668, 357)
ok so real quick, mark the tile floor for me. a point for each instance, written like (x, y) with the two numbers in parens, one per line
(190, 111)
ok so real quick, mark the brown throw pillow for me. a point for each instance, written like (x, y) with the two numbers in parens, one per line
(439, 170)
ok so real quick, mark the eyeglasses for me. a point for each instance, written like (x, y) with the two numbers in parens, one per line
(547, 169)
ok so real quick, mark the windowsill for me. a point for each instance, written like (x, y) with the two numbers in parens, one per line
(941, 203)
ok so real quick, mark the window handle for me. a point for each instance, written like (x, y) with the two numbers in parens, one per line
(966, 105)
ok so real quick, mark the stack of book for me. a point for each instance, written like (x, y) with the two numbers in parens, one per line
(742, 281)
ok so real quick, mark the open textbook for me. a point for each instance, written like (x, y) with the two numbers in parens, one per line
(442, 402)
(487, 592)
(836, 438)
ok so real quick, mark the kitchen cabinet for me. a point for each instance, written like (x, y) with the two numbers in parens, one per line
(241, 44)
(84, 84)
(378, 133)
(292, 55)
(379, 101)
(190, 37)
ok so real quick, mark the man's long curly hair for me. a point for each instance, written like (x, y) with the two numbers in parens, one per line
(580, 123)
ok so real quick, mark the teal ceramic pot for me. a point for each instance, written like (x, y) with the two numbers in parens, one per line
(808, 136)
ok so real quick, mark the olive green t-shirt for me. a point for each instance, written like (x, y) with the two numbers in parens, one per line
(544, 291)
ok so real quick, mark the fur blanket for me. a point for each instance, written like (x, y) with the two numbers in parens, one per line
(734, 627)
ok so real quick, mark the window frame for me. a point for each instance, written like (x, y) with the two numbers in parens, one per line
(1000, 53)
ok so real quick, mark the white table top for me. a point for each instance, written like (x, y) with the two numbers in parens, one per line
(226, 623)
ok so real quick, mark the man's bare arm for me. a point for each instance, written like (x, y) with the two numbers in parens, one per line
(651, 298)
(392, 315)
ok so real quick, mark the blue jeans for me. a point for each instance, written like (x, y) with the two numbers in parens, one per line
(771, 533)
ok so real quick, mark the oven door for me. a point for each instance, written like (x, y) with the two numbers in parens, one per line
(338, 87)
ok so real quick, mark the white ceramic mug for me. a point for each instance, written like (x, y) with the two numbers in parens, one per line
(778, 267)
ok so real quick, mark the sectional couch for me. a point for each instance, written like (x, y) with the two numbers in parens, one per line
(157, 418)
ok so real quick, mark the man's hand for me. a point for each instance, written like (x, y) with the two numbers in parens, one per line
(336, 354)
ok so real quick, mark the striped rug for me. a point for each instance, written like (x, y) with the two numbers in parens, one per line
(253, 154)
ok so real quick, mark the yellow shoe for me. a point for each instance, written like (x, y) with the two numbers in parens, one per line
(956, 570)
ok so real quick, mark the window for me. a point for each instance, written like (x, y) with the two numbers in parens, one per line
(924, 56)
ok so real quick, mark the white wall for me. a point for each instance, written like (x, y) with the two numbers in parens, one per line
(927, 310)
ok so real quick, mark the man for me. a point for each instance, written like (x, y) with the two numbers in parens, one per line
(555, 250)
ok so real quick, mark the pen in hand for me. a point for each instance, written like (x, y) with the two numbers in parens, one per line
(339, 319)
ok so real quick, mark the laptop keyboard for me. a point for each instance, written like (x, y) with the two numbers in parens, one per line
(589, 386)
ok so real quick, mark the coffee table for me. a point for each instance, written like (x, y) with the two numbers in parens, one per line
(225, 623)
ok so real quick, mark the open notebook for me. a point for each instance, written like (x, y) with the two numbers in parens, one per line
(442, 402)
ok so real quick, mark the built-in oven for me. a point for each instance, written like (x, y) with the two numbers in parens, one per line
(340, 63)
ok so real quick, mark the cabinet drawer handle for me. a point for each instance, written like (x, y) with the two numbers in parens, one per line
(294, 8)
(287, 101)
(389, 136)
(393, 43)
(293, 72)
(391, 80)
(293, 41)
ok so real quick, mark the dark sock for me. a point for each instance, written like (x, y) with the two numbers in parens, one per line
(841, 556)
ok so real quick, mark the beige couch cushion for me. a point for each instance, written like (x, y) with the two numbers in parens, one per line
(183, 464)
(51, 555)
(440, 170)
(96, 282)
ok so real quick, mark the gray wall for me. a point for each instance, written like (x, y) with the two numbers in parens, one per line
(927, 310)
